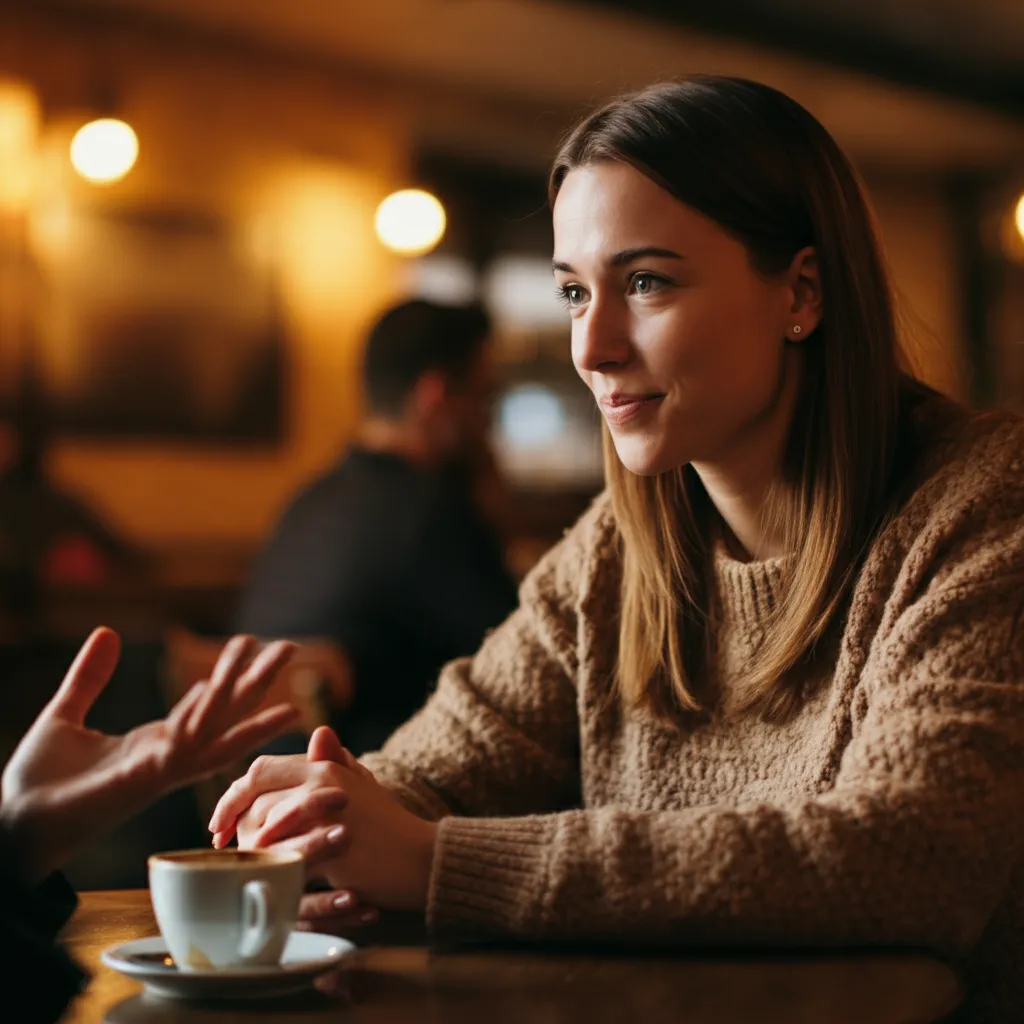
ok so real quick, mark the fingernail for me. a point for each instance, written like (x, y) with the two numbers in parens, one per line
(336, 834)
(342, 901)
(368, 916)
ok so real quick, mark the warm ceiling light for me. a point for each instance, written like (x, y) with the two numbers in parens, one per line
(104, 151)
(410, 222)
(19, 127)
(1018, 216)
(19, 116)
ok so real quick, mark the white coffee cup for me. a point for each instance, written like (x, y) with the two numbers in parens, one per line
(220, 909)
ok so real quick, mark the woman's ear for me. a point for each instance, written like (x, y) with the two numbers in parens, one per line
(806, 302)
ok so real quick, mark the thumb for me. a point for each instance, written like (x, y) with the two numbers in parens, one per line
(89, 673)
(324, 745)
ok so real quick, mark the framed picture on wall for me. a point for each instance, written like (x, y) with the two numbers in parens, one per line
(159, 323)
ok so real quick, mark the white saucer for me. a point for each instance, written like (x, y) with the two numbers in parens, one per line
(306, 955)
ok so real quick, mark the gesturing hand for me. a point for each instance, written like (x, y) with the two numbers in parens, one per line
(65, 782)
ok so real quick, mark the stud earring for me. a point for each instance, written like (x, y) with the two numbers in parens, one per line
(797, 329)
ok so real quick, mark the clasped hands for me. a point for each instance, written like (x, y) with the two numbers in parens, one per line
(384, 852)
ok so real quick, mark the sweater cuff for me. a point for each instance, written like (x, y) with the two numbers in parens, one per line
(489, 877)
(405, 787)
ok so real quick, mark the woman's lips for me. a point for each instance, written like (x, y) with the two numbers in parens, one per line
(619, 408)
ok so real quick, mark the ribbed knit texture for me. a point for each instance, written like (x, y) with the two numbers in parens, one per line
(888, 812)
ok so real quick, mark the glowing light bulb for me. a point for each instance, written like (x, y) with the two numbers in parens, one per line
(1018, 217)
(104, 151)
(410, 222)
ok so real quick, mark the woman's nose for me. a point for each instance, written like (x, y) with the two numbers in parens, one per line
(600, 339)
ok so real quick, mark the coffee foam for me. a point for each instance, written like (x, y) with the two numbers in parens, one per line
(224, 858)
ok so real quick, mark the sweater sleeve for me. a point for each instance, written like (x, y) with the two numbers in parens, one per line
(500, 735)
(914, 845)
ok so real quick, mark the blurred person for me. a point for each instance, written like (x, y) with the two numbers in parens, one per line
(49, 537)
(67, 783)
(769, 691)
(390, 554)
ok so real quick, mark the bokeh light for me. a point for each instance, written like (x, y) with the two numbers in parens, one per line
(531, 416)
(410, 222)
(104, 151)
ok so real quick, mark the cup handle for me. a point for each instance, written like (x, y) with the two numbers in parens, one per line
(256, 929)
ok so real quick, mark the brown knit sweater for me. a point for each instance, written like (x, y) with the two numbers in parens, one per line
(888, 812)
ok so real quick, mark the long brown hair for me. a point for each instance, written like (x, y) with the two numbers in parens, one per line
(765, 170)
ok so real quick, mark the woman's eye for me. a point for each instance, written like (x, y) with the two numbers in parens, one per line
(643, 284)
(572, 295)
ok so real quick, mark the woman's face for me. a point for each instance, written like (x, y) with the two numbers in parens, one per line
(680, 340)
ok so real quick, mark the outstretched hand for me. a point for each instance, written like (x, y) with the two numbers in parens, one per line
(66, 783)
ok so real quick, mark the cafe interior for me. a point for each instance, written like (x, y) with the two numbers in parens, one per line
(204, 207)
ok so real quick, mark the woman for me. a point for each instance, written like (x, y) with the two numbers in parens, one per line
(770, 689)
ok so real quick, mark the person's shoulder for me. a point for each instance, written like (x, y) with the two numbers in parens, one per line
(966, 503)
(596, 530)
(964, 455)
(308, 525)
(323, 491)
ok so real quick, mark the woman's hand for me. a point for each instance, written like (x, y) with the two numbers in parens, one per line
(337, 911)
(389, 851)
(65, 783)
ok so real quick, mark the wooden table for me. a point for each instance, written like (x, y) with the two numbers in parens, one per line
(389, 984)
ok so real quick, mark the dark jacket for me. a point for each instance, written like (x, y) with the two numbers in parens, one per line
(39, 978)
(397, 566)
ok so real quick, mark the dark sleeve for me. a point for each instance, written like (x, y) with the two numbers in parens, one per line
(459, 584)
(38, 975)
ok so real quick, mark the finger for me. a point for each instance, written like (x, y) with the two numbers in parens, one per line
(254, 818)
(324, 745)
(265, 774)
(324, 775)
(221, 839)
(339, 924)
(318, 845)
(306, 811)
(233, 659)
(181, 711)
(255, 731)
(252, 687)
(206, 758)
(89, 673)
(334, 984)
(339, 907)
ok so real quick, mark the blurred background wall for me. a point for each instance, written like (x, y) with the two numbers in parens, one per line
(290, 122)
(289, 161)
